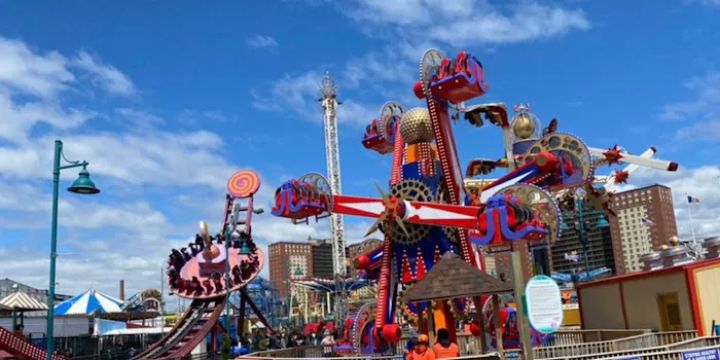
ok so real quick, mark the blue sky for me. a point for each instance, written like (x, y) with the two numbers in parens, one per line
(167, 99)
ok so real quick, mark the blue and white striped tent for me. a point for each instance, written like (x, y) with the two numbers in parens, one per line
(88, 303)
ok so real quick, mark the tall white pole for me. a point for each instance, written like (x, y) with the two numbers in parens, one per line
(332, 156)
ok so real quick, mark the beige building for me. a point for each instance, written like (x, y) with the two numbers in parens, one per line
(683, 297)
(645, 221)
(289, 260)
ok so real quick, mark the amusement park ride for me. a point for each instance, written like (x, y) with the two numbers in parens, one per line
(210, 269)
(430, 208)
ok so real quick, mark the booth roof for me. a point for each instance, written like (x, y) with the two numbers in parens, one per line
(453, 278)
(20, 301)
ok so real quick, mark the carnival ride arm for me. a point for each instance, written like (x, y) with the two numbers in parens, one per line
(622, 156)
(415, 212)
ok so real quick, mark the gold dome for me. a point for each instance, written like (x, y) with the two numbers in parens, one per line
(523, 126)
(211, 252)
(415, 126)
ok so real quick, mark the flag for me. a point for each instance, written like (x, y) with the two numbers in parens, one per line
(693, 199)
(647, 222)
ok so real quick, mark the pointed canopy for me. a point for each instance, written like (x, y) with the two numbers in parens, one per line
(20, 301)
(454, 278)
(88, 303)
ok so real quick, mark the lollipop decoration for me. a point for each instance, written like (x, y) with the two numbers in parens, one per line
(243, 184)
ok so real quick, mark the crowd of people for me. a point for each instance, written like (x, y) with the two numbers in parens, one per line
(214, 283)
(262, 341)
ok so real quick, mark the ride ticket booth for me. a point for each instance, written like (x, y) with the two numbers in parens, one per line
(681, 297)
(453, 279)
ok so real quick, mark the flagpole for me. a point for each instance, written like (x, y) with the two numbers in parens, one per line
(690, 218)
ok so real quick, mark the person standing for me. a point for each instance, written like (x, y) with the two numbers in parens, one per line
(444, 348)
(410, 346)
(20, 331)
(422, 350)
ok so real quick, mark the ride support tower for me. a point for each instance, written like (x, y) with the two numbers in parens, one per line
(332, 155)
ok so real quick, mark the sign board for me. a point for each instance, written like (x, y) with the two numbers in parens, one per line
(544, 304)
(104, 326)
(702, 354)
(500, 248)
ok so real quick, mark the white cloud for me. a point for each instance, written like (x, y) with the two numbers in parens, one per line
(467, 22)
(18, 118)
(527, 22)
(261, 41)
(702, 182)
(703, 111)
(706, 104)
(45, 75)
(104, 76)
(120, 233)
(23, 70)
(296, 94)
(139, 118)
(703, 131)
(299, 96)
(411, 27)
(149, 157)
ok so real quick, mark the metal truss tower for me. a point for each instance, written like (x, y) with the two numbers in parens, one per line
(329, 104)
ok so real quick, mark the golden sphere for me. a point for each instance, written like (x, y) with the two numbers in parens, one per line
(415, 126)
(523, 126)
(674, 240)
(211, 252)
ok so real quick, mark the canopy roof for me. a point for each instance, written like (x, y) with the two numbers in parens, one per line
(328, 285)
(454, 278)
(88, 303)
(20, 301)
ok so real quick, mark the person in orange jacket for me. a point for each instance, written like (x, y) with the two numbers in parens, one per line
(422, 350)
(444, 348)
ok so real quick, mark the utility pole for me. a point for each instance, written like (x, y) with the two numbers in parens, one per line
(332, 156)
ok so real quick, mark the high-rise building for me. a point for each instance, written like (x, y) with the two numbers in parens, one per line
(289, 261)
(599, 243)
(645, 221)
(498, 262)
(322, 262)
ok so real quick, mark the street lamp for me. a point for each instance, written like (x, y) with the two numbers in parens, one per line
(582, 227)
(82, 185)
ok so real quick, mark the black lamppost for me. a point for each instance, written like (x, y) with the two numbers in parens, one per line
(583, 226)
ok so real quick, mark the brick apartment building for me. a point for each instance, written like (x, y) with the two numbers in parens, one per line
(645, 221)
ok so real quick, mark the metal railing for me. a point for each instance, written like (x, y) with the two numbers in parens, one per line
(467, 343)
(668, 355)
(696, 343)
(568, 337)
(302, 353)
(642, 341)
